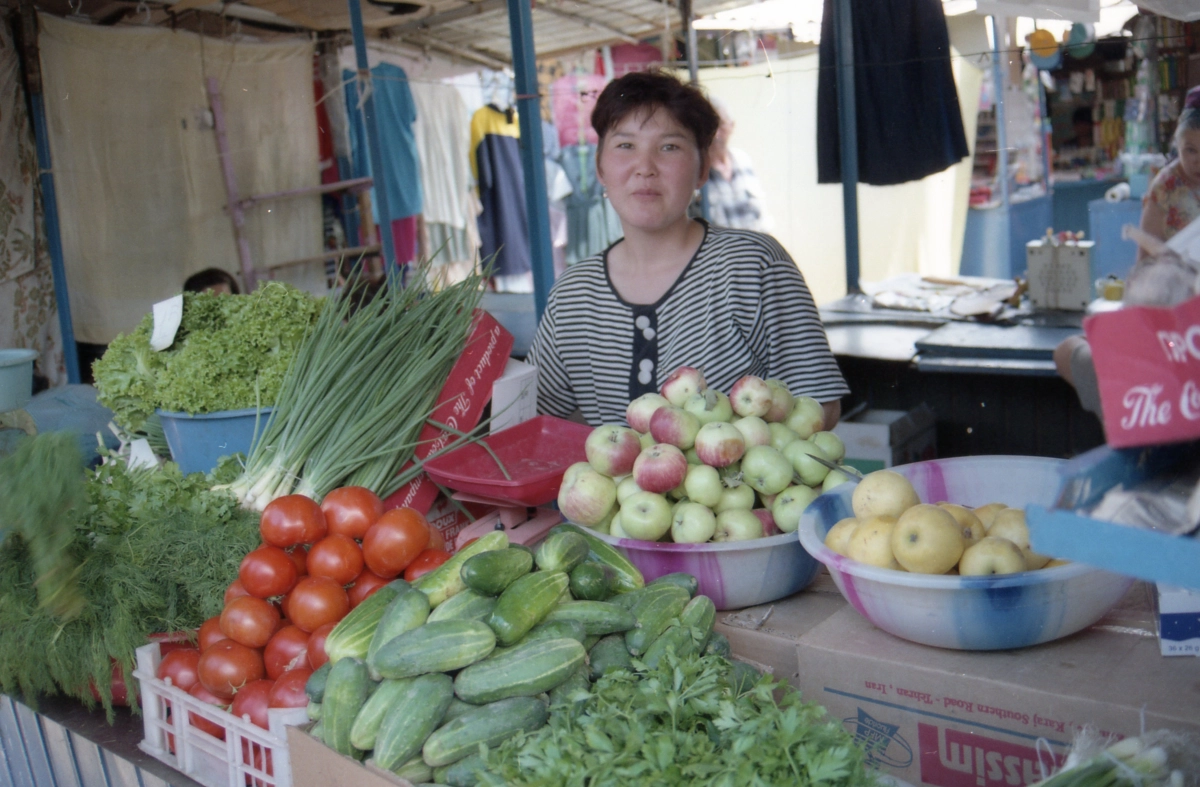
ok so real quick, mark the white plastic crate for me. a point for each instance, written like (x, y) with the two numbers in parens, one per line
(248, 757)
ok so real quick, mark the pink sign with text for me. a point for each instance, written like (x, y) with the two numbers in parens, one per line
(1148, 367)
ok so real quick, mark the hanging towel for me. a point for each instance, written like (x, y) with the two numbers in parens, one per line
(909, 120)
(395, 114)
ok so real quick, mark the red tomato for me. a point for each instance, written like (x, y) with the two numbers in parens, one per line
(436, 539)
(227, 665)
(251, 700)
(210, 633)
(316, 646)
(180, 667)
(249, 621)
(336, 557)
(351, 510)
(117, 688)
(291, 520)
(289, 689)
(366, 584)
(425, 562)
(199, 722)
(392, 542)
(299, 555)
(286, 646)
(235, 590)
(316, 601)
(267, 571)
(257, 761)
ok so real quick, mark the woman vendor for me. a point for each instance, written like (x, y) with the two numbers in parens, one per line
(673, 291)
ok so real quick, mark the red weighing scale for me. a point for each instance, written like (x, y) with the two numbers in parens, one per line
(535, 453)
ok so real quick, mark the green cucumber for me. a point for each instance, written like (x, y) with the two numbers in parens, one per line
(628, 577)
(521, 547)
(366, 724)
(415, 770)
(462, 773)
(562, 551)
(525, 671)
(598, 617)
(743, 677)
(346, 692)
(491, 572)
(416, 713)
(435, 647)
(608, 654)
(579, 680)
(555, 629)
(700, 614)
(446, 580)
(317, 730)
(590, 641)
(593, 581)
(676, 638)
(718, 645)
(683, 580)
(457, 708)
(314, 710)
(407, 612)
(654, 613)
(525, 603)
(315, 687)
(353, 634)
(489, 725)
(467, 605)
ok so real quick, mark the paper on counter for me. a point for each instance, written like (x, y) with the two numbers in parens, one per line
(168, 315)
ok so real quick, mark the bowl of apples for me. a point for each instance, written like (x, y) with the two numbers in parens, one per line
(711, 484)
(955, 571)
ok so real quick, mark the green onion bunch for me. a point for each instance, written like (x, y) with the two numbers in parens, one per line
(1154, 759)
(362, 385)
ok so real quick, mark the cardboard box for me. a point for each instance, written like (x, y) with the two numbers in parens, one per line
(951, 718)
(316, 765)
(1178, 620)
(883, 438)
(766, 636)
(451, 517)
(514, 395)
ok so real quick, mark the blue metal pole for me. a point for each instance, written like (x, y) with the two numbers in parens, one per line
(843, 23)
(537, 204)
(372, 129)
(53, 239)
(999, 89)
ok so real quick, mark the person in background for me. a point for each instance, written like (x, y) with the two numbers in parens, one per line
(733, 192)
(1173, 199)
(212, 280)
(674, 291)
(1081, 121)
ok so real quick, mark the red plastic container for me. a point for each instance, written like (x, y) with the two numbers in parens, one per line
(536, 453)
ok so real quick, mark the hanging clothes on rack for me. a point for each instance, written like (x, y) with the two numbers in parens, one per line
(444, 147)
(592, 224)
(504, 223)
(572, 99)
(558, 187)
(395, 113)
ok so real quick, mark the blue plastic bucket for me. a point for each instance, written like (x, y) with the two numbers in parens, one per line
(16, 378)
(197, 442)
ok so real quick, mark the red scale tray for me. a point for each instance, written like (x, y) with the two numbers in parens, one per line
(536, 453)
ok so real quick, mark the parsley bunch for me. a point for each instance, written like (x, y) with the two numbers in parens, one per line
(682, 723)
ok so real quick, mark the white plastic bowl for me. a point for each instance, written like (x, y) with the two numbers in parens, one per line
(734, 574)
(968, 613)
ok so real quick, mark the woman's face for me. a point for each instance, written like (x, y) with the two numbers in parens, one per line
(651, 166)
(1189, 153)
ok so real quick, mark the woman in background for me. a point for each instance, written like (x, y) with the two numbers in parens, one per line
(1173, 200)
(733, 192)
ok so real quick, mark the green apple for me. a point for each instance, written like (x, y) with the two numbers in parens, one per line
(972, 528)
(883, 493)
(927, 540)
(679, 492)
(800, 453)
(703, 485)
(588, 497)
(754, 430)
(570, 473)
(836, 478)
(766, 470)
(646, 439)
(605, 524)
(614, 527)
(739, 497)
(781, 435)
(738, 524)
(782, 402)
(831, 444)
(790, 504)
(1010, 524)
(807, 417)
(692, 457)
(693, 523)
(991, 555)
(871, 542)
(838, 537)
(646, 515)
(709, 405)
(626, 487)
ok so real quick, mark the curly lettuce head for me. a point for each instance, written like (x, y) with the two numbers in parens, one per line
(126, 377)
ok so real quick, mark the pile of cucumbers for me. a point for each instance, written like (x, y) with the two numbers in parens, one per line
(480, 649)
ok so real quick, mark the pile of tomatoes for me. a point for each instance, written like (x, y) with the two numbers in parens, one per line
(316, 563)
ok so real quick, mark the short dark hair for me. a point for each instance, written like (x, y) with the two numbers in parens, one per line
(650, 90)
(210, 277)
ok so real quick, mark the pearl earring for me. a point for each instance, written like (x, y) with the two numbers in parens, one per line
(603, 193)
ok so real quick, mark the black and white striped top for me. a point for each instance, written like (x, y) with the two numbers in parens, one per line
(740, 307)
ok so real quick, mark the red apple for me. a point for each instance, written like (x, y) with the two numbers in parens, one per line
(719, 444)
(751, 396)
(611, 449)
(754, 430)
(675, 426)
(640, 409)
(782, 402)
(587, 498)
(682, 383)
(660, 468)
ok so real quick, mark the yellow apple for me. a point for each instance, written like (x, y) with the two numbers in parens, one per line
(838, 537)
(991, 555)
(1010, 524)
(1057, 562)
(972, 528)
(871, 542)
(883, 493)
(988, 512)
(927, 540)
